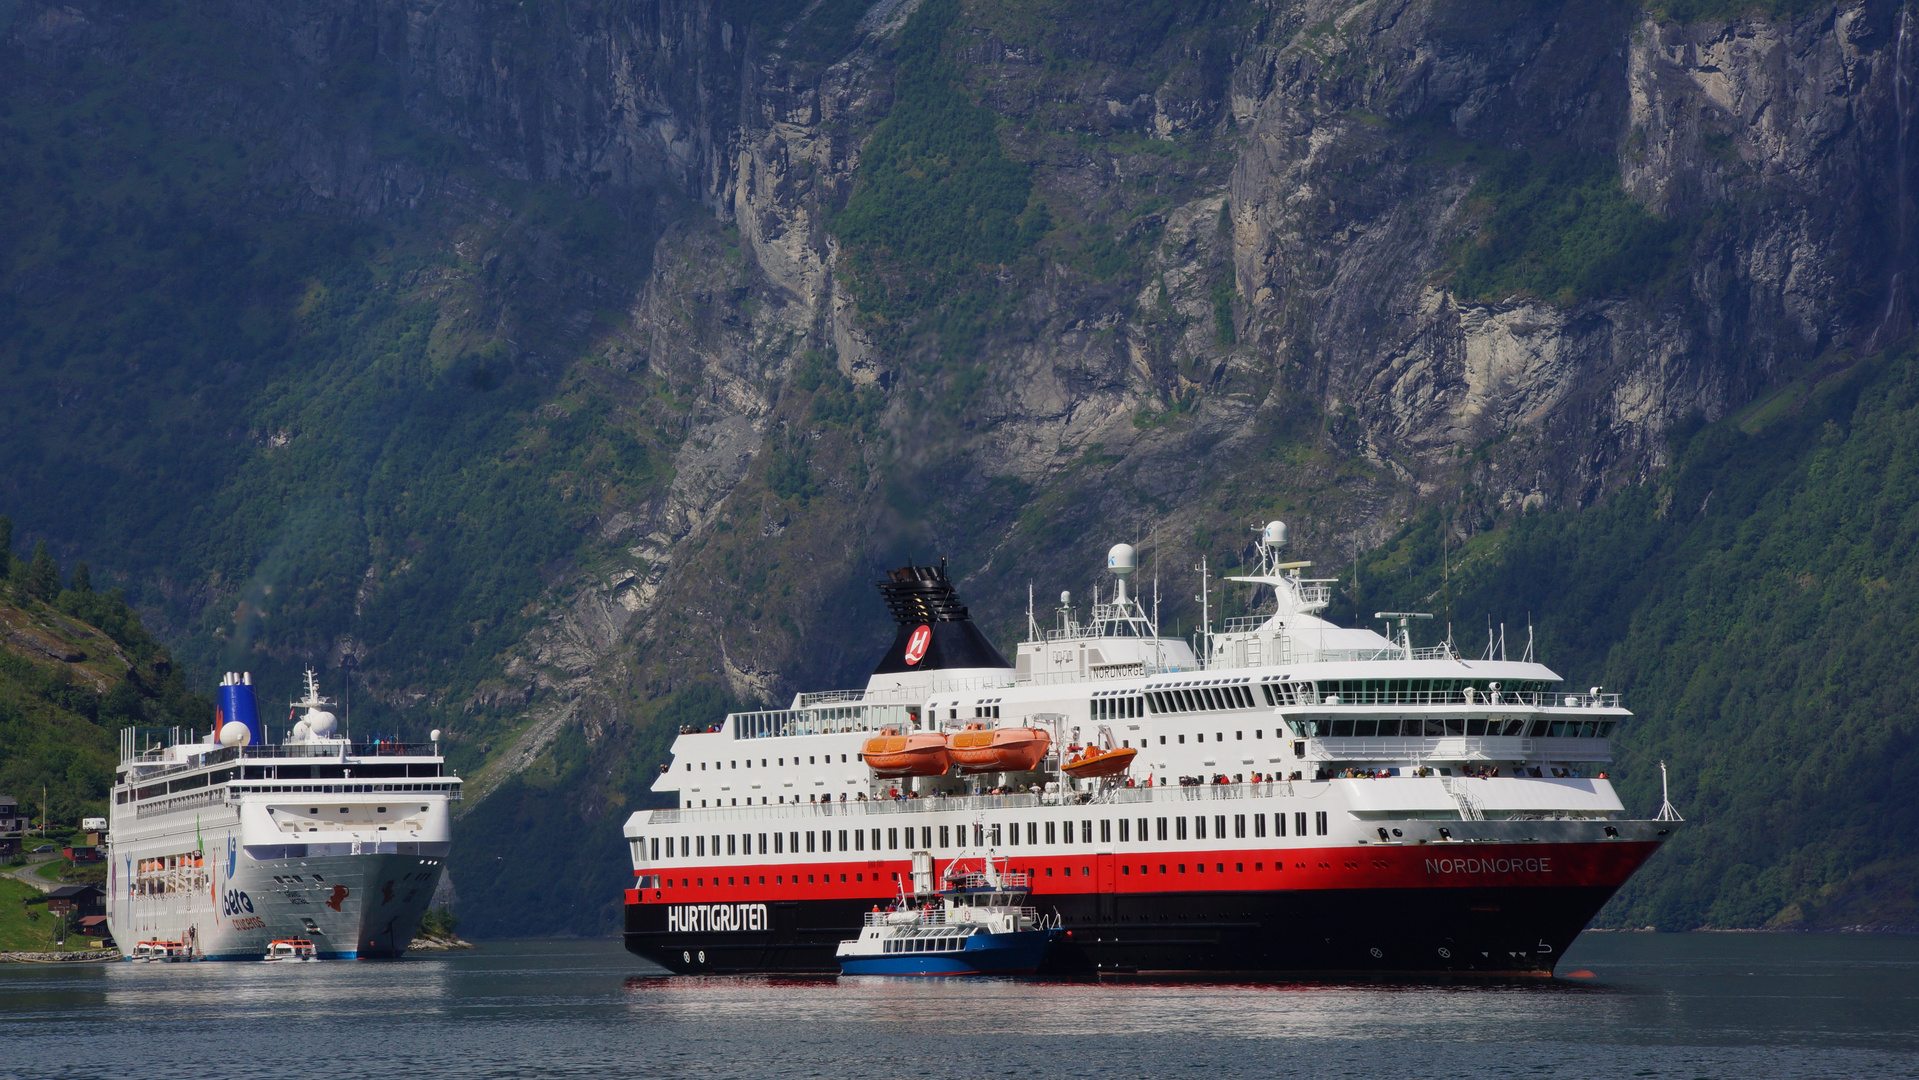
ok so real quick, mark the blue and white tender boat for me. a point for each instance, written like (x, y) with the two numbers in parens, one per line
(977, 924)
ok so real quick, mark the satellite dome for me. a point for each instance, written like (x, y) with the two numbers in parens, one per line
(1274, 535)
(235, 734)
(1121, 559)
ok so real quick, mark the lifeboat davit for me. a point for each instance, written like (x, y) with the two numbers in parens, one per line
(920, 754)
(1096, 762)
(1009, 749)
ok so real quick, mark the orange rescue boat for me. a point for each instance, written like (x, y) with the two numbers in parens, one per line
(1096, 762)
(1010, 749)
(922, 753)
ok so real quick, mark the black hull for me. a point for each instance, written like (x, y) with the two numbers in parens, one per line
(1483, 931)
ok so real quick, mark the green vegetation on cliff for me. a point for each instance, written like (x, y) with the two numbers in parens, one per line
(73, 672)
(936, 200)
(1756, 605)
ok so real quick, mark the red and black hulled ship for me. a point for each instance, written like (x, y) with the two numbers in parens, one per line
(1299, 797)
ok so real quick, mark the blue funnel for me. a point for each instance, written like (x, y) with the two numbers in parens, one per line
(236, 703)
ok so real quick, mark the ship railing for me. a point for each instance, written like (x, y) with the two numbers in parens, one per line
(816, 720)
(832, 697)
(937, 804)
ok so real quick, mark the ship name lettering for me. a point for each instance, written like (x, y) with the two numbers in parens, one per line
(1489, 866)
(689, 918)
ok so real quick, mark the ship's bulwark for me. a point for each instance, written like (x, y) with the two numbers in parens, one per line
(1485, 925)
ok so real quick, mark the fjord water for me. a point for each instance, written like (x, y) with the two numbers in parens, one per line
(1706, 1005)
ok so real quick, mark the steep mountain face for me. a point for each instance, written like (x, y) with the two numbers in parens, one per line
(639, 336)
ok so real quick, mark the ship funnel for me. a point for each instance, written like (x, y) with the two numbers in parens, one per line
(923, 874)
(239, 714)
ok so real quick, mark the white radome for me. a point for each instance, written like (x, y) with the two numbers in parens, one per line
(1274, 534)
(1121, 559)
(235, 734)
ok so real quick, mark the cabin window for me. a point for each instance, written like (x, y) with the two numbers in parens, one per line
(842, 839)
(730, 838)
(1162, 831)
(1179, 825)
(1050, 838)
(1199, 827)
(859, 839)
(1085, 832)
(1201, 736)
(996, 839)
(669, 847)
(1219, 827)
(656, 849)
(1162, 740)
(893, 839)
(1182, 740)
(1142, 831)
(794, 846)
(1239, 736)
(876, 839)
(1124, 830)
(702, 846)
(1032, 832)
(810, 843)
(1299, 823)
(1012, 834)
(762, 843)
(1319, 823)
(1259, 825)
(945, 837)
(1239, 826)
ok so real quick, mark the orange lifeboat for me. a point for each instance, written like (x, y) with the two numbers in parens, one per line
(1011, 749)
(922, 753)
(1096, 762)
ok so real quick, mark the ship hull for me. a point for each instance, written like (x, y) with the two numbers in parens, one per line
(365, 906)
(1499, 924)
(1017, 953)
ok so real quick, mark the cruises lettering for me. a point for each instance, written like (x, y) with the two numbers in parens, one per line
(685, 918)
(1489, 866)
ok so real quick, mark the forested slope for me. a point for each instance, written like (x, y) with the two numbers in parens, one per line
(1758, 605)
(75, 667)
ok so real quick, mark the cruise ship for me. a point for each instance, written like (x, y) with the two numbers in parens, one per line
(222, 844)
(1295, 796)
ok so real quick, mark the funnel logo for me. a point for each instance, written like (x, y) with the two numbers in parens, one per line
(916, 645)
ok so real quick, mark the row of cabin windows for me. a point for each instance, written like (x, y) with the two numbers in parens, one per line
(1185, 699)
(1439, 727)
(1131, 707)
(812, 759)
(1007, 834)
(1402, 691)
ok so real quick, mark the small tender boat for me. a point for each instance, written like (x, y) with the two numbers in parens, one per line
(1096, 762)
(1011, 749)
(159, 952)
(921, 753)
(978, 925)
(291, 950)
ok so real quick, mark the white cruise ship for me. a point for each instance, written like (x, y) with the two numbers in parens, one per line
(1299, 797)
(219, 846)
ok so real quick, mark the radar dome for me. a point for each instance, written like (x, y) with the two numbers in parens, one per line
(235, 734)
(319, 722)
(1122, 559)
(435, 736)
(1274, 535)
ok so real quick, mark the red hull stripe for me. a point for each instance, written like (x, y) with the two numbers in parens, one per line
(1604, 864)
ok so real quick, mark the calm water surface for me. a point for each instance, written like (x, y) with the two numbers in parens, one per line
(1710, 1005)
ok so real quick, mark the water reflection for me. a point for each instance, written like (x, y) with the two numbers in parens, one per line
(1706, 1005)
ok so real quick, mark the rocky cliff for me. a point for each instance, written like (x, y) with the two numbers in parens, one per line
(1327, 261)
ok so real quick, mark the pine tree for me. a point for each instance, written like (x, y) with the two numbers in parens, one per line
(43, 576)
(82, 581)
